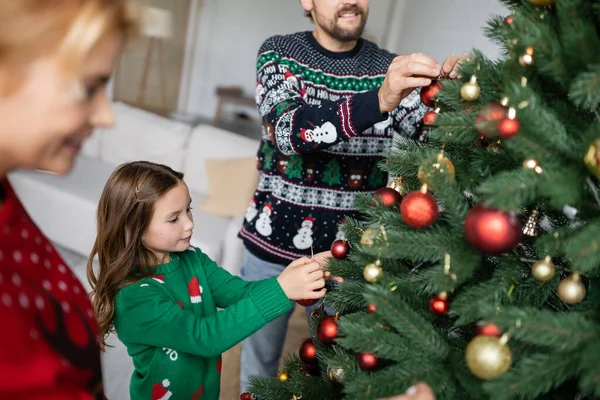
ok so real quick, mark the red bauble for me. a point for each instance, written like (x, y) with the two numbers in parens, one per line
(367, 362)
(308, 353)
(419, 209)
(388, 196)
(492, 231)
(428, 93)
(439, 305)
(482, 143)
(327, 331)
(372, 308)
(489, 117)
(247, 396)
(509, 20)
(429, 118)
(340, 249)
(487, 329)
(508, 128)
(307, 302)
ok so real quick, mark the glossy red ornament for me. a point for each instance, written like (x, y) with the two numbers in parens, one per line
(327, 330)
(487, 329)
(488, 119)
(482, 142)
(307, 302)
(429, 93)
(308, 353)
(367, 362)
(509, 20)
(372, 308)
(419, 209)
(439, 304)
(340, 249)
(508, 128)
(388, 196)
(492, 231)
(247, 396)
(430, 117)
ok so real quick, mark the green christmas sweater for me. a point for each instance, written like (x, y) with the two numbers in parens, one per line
(171, 327)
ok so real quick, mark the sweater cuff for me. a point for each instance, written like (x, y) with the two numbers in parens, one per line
(360, 112)
(270, 299)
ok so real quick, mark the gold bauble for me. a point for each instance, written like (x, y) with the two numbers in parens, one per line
(542, 3)
(398, 185)
(368, 237)
(544, 269)
(283, 376)
(495, 147)
(526, 59)
(373, 272)
(442, 167)
(571, 290)
(488, 357)
(296, 397)
(592, 158)
(470, 91)
(335, 374)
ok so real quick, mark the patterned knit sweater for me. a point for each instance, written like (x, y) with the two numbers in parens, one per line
(323, 135)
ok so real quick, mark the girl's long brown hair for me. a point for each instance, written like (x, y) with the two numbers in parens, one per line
(124, 213)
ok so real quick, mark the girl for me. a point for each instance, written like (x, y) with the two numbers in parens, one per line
(56, 57)
(161, 295)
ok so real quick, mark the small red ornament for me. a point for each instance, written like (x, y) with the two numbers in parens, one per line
(247, 396)
(489, 117)
(372, 308)
(430, 117)
(509, 20)
(327, 331)
(419, 210)
(508, 128)
(340, 249)
(487, 329)
(307, 302)
(388, 196)
(439, 304)
(482, 142)
(492, 231)
(367, 362)
(308, 353)
(429, 93)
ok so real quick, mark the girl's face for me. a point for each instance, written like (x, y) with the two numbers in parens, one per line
(48, 117)
(171, 226)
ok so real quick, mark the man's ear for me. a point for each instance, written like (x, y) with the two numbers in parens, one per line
(307, 5)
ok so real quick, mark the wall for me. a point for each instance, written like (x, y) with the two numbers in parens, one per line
(223, 46)
(443, 27)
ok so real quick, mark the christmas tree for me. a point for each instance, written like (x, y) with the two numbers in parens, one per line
(332, 173)
(295, 167)
(483, 280)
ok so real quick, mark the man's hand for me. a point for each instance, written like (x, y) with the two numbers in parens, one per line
(450, 66)
(417, 392)
(405, 74)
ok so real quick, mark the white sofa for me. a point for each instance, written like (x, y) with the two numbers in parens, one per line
(65, 206)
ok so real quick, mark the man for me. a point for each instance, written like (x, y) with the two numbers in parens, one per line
(331, 103)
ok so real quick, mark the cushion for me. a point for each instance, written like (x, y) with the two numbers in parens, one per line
(231, 183)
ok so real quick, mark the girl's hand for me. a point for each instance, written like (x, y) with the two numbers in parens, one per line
(303, 279)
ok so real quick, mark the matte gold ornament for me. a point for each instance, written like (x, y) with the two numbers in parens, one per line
(495, 147)
(526, 59)
(592, 158)
(335, 374)
(488, 357)
(399, 186)
(296, 397)
(531, 227)
(544, 269)
(283, 376)
(368, 237)
(470, 91)
(442, 167)
(542, 3)
(373, 272)
(571, 290)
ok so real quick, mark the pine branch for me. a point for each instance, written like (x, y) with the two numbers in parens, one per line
(590, 368)
(347, 298)
(585, 89)
(509, 190)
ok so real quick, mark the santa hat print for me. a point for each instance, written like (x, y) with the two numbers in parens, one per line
(291, 78)
(304, 136)
(195, 291)
(309, 219)
(160, 391)
(303, 93)
(269, 207)
(158, 278)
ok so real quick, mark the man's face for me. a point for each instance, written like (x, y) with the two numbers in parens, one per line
(343, 20)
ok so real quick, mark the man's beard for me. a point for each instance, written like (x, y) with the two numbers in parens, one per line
(342, 34)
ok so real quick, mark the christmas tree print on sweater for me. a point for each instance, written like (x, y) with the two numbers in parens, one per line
(263, 224)
(304, 239)
(331, 176)
(295, 167)
(160, 391)
(195, 291)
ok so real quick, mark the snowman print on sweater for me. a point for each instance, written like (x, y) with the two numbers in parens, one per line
(263, 223)
(326, 133)
(251, 211)
(304, 238)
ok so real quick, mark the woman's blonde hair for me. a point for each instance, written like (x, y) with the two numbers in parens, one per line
(31, 29)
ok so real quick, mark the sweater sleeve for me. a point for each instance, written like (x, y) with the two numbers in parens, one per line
(407, 120)
(296, 127)
(145, 314)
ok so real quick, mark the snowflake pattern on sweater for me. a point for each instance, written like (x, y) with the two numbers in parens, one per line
(323, 136)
